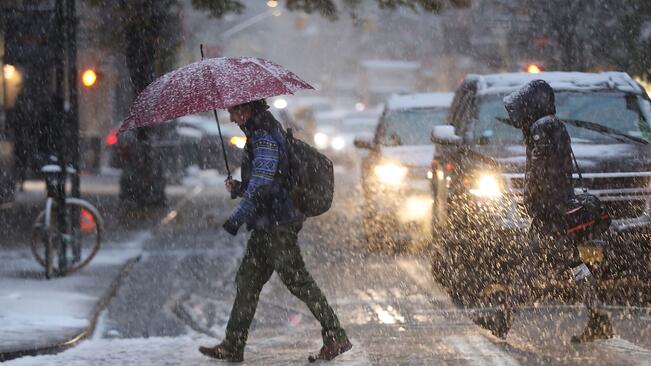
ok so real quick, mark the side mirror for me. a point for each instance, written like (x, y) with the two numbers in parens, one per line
(444, 135)
(363, 143)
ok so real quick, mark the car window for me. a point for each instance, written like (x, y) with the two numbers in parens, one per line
(621, 111)
(411, 126)
(359, 125)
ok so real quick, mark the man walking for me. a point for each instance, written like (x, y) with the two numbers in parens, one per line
(548, 190)
(267, 208)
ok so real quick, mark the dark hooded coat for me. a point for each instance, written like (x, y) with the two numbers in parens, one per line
(548, 174)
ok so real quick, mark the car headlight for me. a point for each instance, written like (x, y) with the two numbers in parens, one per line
(487, 186)
(391, 173)
(338, 143)
(321, 140)
(238, 141)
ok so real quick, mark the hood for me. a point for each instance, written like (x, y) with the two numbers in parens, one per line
(414, 155)
(530, 103)
(592, 158)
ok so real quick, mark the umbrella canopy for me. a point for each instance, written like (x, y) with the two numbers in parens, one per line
(210, 84)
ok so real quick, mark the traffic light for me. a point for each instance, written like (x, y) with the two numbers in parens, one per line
(89, 77)
(533, 69)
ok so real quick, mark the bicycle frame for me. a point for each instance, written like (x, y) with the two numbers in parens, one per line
(55, 181)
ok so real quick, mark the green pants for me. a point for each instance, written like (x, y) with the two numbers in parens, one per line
(269, 250)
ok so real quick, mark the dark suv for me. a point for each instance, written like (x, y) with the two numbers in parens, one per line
(479, 161)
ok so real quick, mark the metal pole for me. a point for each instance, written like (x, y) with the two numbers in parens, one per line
(228, 170)
(73, 121)
(73, 101)
(58, 132)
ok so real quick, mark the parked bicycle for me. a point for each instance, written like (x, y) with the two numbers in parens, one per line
(68, 228)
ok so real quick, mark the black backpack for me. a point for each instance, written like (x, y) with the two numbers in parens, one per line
(311, 177)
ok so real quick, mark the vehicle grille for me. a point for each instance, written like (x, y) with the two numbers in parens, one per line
(624, 196)
(417, 172)
(598, 183)
(625, 209)
(616, 209)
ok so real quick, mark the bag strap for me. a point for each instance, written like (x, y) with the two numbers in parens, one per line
(578, 170)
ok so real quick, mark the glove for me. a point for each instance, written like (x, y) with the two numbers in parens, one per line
(231, 227)
(237, 189)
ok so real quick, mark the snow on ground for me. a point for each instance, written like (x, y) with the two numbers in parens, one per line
(34, 310)
(180, 351)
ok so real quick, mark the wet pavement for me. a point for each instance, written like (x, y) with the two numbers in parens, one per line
(179, 296)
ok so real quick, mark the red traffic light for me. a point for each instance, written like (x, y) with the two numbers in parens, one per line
(89, 77)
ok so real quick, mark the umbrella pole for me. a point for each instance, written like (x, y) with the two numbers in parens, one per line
(228, 170)
(221, 138)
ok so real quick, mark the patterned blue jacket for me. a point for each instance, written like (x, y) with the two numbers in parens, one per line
(266, 199)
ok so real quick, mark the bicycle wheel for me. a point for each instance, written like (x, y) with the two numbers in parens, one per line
(87, 237)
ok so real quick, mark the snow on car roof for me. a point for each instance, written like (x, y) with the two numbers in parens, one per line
(390, 64)
(422, 100)
(334, 114)
(208, 125)
(503, 83)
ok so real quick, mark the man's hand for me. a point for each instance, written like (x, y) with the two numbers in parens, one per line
(230, 227)
(229, 184)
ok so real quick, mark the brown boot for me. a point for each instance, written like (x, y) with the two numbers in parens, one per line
(221, 352)
(332, 350)
(598, 327)
(498, 323)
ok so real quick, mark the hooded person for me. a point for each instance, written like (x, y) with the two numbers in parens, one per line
(267, 209)
(548, 190)
(548, 171)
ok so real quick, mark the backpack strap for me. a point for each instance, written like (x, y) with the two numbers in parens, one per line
(578, 170)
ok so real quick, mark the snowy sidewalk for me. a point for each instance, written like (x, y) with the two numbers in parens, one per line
(39, 315)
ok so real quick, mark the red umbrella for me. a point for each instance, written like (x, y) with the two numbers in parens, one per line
(208, 84)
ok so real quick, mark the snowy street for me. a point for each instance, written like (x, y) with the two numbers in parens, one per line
(178, 296)
(355, 182)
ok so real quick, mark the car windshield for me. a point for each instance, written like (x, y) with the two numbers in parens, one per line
(624, 112)
(411, 126)
(359, 125)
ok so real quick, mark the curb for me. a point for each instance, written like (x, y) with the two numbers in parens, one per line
(86, 332)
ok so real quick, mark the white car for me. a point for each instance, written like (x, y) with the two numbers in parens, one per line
(337, 130)
(395, 174)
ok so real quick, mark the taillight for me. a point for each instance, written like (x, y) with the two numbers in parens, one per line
(112, 139)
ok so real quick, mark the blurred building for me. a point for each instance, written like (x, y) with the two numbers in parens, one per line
(28, 58)
(484, 37)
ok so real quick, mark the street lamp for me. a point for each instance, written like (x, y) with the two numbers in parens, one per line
(272, 3)
(9, 71)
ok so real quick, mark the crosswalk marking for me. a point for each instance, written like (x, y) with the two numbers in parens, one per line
(419, 274)
(632, 353)
(476, 350)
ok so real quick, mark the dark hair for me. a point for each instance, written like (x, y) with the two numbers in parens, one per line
(258, 106)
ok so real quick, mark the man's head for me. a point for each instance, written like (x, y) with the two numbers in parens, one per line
(530, 103)
(241, 113)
